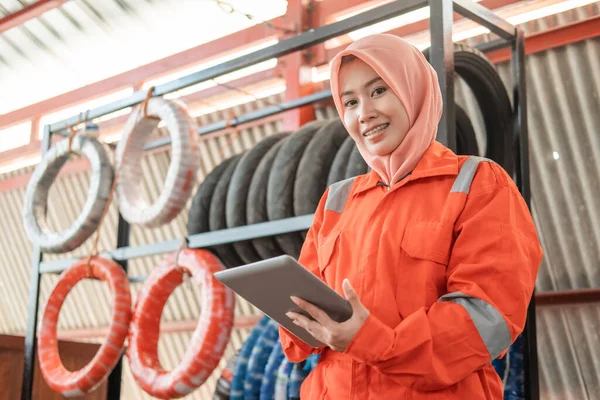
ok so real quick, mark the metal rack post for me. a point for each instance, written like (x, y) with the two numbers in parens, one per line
(442, 60)
(521, 151)
(113, 390)
(33, 305)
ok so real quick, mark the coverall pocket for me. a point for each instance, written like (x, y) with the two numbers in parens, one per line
(429, 240)
(326, 250)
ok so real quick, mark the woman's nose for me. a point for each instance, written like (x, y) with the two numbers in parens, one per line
(367, 112)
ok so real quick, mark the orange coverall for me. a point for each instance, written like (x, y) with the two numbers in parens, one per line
(446, 265)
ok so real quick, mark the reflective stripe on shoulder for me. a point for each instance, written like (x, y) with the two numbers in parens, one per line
(338, 194)
(490, 324)
(467, 173)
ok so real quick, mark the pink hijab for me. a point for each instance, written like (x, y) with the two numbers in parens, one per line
(404, 68)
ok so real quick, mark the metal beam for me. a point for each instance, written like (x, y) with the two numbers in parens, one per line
(288, 46)
(267, 112)
(576, 297)
(331, 8)
(563, 35)
(31, 148)
(415, 27)
(81, 165)
(166, 65)
(200, 240)
(28, 13)
(493, 45)
(577, 31)
(166, 327)
(542, 41)
(250, 117)
(485, 17)
(543, 300)
(185, 59)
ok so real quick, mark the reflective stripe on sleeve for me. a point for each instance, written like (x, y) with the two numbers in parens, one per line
(490, 324)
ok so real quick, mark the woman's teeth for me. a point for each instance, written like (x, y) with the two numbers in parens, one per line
(376, 130)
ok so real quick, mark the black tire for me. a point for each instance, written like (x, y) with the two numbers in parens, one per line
(237, 195)
(216, 216)
(280, 189)
(466, 141)
(313, 170)
(340, 162)
(356, 164)
(256, 204)
(491, 95)
(198, 216)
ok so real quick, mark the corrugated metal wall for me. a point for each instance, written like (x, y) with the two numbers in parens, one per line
(563, 90)
(564, 103)
(563, 87)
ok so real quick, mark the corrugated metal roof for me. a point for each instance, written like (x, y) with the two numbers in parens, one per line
(72, 41)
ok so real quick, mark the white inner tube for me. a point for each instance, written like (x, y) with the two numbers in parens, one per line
(36, 196)
(182, 170)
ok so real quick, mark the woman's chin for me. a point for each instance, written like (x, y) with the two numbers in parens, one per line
(380, 150)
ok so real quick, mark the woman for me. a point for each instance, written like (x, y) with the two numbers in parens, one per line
(437, 254)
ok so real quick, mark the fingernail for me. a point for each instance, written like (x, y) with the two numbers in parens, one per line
(294, 299)
(289, 315)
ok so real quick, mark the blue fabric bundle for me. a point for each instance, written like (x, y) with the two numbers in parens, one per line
(258, 360)
(241, 366)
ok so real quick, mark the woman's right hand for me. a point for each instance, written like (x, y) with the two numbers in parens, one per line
(335, 335)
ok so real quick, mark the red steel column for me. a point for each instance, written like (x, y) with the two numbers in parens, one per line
(295, 68)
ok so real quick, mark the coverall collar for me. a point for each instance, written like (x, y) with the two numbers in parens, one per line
(436, 161)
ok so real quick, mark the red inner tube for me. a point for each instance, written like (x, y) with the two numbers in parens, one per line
(85, 380)
(208, 341)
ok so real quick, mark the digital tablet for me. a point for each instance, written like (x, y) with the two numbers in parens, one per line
(268, 285)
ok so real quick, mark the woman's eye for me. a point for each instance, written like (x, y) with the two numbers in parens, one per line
(379, 91)
(349, 103)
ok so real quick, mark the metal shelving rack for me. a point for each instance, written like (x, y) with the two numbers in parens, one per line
(441, 19)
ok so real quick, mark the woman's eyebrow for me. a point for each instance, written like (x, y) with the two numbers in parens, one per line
(372, 81)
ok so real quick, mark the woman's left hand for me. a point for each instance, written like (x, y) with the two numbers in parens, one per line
(334, 334)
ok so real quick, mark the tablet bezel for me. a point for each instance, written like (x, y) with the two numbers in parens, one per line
(268, 285)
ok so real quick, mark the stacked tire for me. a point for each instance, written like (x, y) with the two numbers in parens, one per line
(494, 104)
(283, 176)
